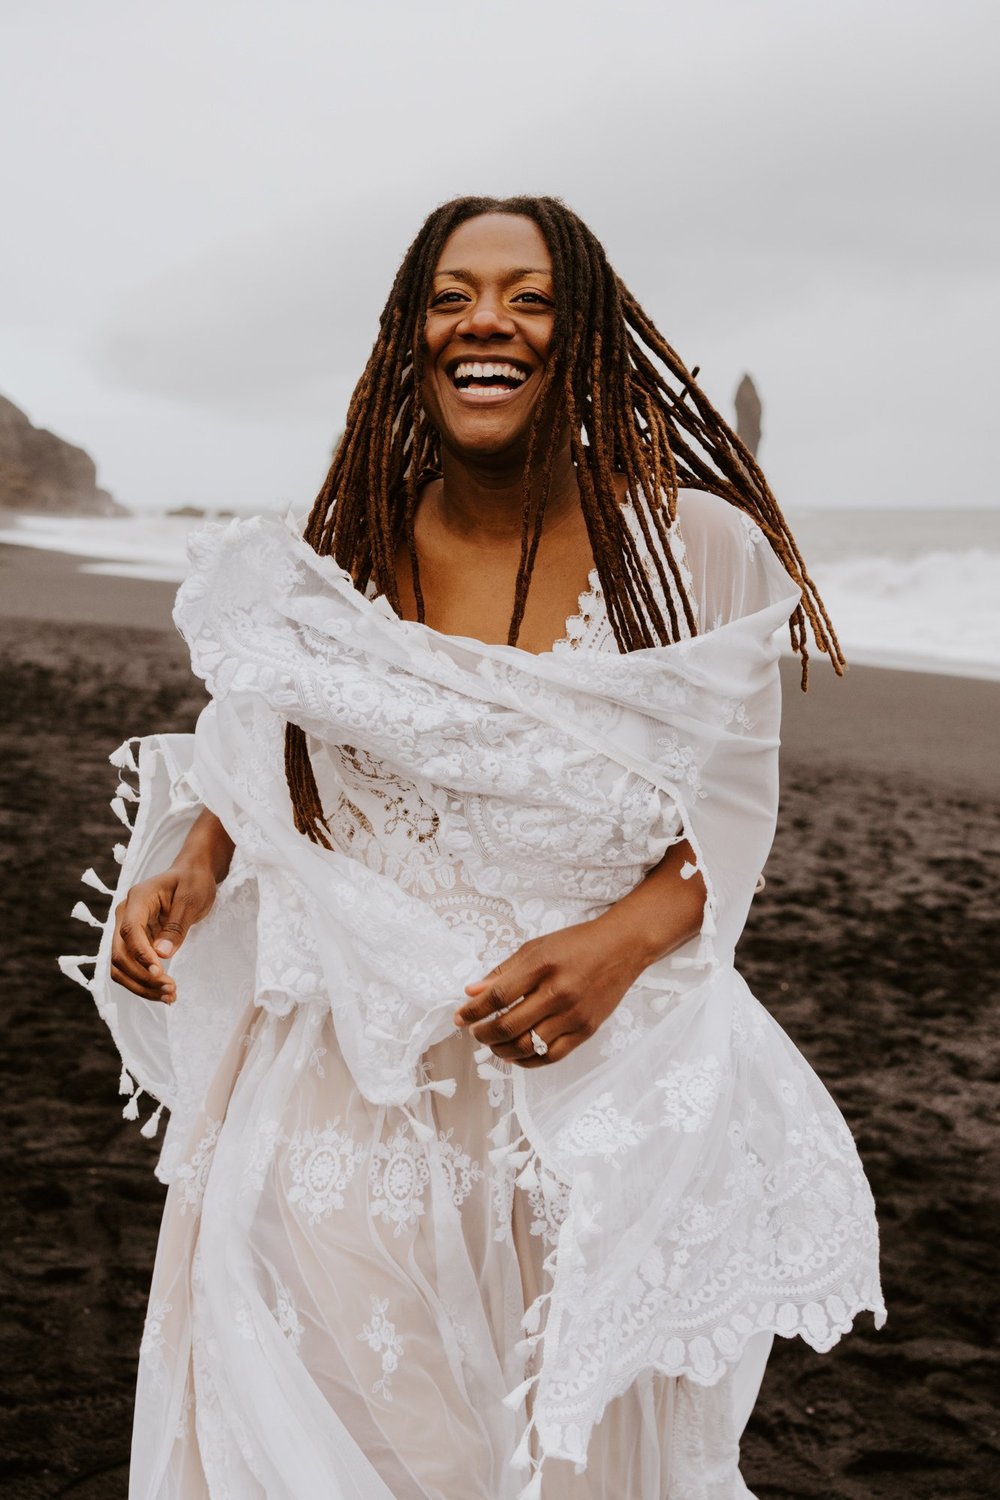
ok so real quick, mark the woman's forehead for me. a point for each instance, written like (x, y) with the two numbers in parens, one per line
(495, 239)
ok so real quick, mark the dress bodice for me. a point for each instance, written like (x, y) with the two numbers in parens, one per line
(561, 834)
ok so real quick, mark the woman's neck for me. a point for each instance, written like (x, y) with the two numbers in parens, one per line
(480, 500)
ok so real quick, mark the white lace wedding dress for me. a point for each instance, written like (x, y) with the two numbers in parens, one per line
(389, 1266)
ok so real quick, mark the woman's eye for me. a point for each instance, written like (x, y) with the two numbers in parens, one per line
(443, 297)
(535, 296)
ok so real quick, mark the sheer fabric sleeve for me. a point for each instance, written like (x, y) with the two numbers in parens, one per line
(734, 571)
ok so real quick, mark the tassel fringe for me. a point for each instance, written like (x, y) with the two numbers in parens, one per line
(83, 913)
(422, 1132)
(123, 759)
(118, 808)
(533, 1489)
(513, 1398)
(70, 963)
(90, 877)
(445, 1086)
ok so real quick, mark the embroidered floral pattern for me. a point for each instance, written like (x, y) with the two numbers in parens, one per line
(549, 1203)
(397, 1175)
(245, 1324)
(502, 1193)
(622, 1029)
(752, 533)
(322, 1163)
(152, 1333)
(266, 1140)
(459, 1169)
(600, 1131)
(286, 1316)
(192, 1175)
(690, 1093)
(381, 1336)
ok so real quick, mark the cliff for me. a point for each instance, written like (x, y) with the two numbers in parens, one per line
(42, 472)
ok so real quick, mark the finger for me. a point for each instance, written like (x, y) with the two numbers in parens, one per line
(148, 989)
(133, 948)
(137, 973)
(500, 988)
(559, 1048)
(171, 931)
(522, 1047)
(134, 967)
(501, 1030)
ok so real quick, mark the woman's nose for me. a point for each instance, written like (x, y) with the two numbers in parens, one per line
(485, 319)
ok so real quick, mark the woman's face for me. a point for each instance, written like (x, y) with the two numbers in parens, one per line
(490, 319)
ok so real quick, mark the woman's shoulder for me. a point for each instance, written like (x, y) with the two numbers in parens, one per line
(704, 512)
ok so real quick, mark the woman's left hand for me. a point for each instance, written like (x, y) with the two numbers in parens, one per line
(562, 985)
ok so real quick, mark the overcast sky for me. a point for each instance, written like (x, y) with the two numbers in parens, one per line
(205, 202)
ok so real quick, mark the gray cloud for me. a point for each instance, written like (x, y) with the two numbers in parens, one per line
(794, 188)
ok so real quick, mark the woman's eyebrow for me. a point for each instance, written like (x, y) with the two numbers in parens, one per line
(460, 274)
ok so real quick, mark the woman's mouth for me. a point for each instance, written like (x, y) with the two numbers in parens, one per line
(487, 380)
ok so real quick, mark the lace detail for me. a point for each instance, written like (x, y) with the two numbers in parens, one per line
(286, 1316)
(753, 536)
(266, 1139)
(601, 1130)
(396, 1180)
(192, 1175)
(152, 1334)
(322, 1163)
(690, 1093)
(549, 1202)
(460, 1171)
(380, 1335)
(590, 628)
(621, 1030)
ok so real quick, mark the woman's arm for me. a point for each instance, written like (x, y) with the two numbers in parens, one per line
(565, 984)
(207, 844)
(156, 915)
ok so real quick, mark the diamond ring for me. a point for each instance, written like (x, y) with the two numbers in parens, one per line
(540, 1047)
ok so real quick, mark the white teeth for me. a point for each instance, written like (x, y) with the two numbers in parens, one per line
(487, 370)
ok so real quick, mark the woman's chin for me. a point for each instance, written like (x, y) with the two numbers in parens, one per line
(482, 438)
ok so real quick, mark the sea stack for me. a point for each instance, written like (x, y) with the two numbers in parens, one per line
(42, 473)
(748, 414)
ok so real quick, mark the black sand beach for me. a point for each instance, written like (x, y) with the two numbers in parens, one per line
(875, 943)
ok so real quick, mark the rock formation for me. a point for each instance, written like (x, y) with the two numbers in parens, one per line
(748, 414)
(43, 473)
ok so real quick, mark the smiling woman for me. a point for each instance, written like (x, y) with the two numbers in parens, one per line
(488, 1175)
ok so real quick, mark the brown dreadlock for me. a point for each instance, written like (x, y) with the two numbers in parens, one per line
(632, 407)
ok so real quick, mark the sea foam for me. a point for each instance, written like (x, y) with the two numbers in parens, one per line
(937, 612)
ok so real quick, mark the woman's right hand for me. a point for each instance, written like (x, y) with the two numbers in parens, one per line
(156, 915)
(153, 921)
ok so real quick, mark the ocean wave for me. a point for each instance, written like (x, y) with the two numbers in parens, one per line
(939, 611)
(152, 541)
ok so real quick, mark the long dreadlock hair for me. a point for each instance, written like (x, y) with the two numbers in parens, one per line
(631, 406)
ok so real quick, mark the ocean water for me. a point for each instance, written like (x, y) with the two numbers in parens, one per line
(915, 589)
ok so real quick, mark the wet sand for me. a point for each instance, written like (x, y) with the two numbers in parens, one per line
(875, 944)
